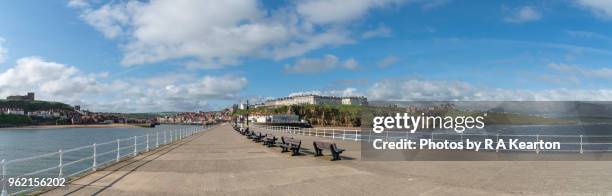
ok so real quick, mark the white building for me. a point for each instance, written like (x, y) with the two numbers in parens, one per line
(242, 106)
(354, 101)
(258, 119)
(15, 111)
(276, 118)
(317, 100)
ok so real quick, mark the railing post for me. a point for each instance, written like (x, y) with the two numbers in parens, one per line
(536, 147)
(135, 146)
(356, 135)
(4, 192)
(156, 139)
(333, 134)
(497, 147)
(323, 132)
(343, 134)
(93, 167)
(61, 164)
(118, 150)
(387, 136)
(581, 150)
(165, 141)
(147, 142)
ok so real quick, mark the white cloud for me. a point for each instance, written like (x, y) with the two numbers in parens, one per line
(171, 92)
(339, 92)
(419, 90)
(523, 14)
(209, 33)
(51, 79)
(110, 19)
(316, 65)
(446, 90)
(601, 8)
(350, 64)
(605, 73)
(338, 11)
(424, 90)
(3, 50)
(385, 62)
(381, 31)
(78, 3)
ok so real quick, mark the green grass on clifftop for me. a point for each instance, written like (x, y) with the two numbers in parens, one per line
(34, 105)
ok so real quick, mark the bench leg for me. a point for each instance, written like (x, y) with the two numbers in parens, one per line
(318, 152)
(336, 156)
(285, 149)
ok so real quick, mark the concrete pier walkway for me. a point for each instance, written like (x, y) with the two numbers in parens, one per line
(223, 162)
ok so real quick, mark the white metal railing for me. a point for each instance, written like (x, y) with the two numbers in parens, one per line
(569, 143)
(341, 134)
(143, 141)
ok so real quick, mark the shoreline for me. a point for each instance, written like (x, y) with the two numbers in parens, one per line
(74, 126)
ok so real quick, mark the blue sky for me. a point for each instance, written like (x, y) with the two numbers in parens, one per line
(141, 56)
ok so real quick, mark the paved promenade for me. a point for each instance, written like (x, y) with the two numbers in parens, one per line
(223, 162)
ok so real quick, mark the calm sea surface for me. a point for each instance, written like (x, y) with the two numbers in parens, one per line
(22, 143)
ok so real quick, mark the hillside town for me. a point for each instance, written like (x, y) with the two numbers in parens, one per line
(196, 117)
(26, 110)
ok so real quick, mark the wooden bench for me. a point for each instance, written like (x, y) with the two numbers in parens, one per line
(292, 144)
(269, 140)
(258, 137)
(239, 130)
(250, 135)
(244, 131)
(320, 145)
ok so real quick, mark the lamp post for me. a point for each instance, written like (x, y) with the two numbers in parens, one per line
(247, 113)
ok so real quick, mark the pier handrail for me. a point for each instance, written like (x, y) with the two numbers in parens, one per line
(176, 134)
(583, 143)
